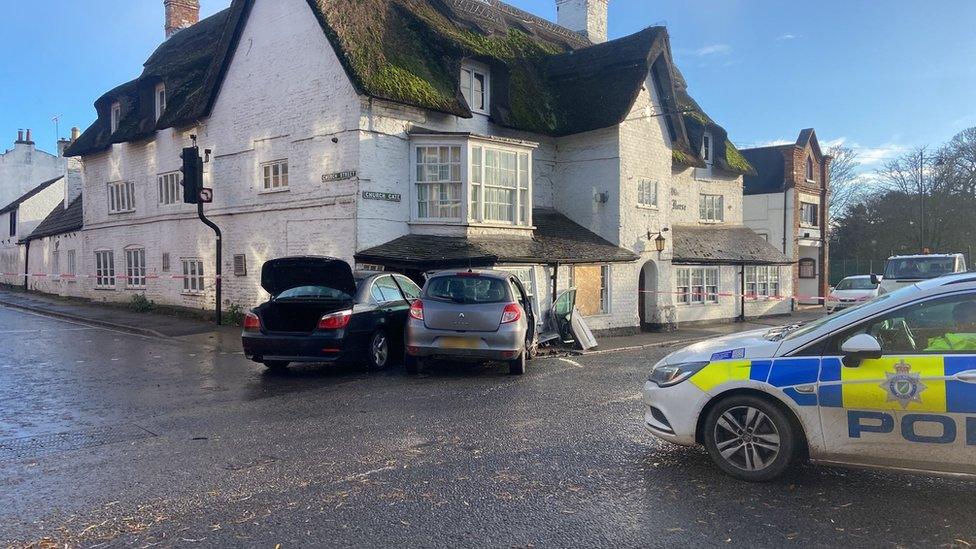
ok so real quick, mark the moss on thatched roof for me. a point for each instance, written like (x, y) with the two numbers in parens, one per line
(182, 63)
(727, 157)
(544, 78)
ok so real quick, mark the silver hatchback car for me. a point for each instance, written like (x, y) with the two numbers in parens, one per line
(472, 315)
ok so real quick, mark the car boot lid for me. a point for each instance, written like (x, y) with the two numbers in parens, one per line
(279, 275)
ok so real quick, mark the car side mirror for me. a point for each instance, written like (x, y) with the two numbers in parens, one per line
(858, 348)
(875, 279)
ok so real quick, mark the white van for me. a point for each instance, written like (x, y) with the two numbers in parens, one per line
(902, 270)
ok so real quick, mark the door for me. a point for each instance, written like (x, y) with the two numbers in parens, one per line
(525, 300)
(914, 406)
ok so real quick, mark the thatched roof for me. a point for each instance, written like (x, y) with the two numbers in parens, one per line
(545, 79)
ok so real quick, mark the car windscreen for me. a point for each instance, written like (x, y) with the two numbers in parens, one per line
(313, 292)
(856, 284)
(916, 268)
(803, 329)
(468, 289)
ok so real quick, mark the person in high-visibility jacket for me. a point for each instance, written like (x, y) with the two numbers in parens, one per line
(963, 338)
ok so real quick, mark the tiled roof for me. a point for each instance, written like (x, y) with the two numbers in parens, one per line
(24, 197)
(61, 220)
(556, 239)
(723, 244)
(770, 165)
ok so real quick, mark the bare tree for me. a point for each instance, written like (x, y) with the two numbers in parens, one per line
(846, 187)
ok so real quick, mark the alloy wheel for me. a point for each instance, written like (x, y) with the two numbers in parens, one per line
(747, 438)
(380, 350)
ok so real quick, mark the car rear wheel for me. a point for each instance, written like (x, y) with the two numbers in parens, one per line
(517, 367)
(378, 356)
(749, 438)
(276, 365)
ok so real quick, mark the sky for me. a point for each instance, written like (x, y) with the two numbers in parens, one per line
(879, 76)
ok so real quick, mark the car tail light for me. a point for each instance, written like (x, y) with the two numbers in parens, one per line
(335, 321)
(511, 313)
(417, 310)
(252, 323)
(469, 273)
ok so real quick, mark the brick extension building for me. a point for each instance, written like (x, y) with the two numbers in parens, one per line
(786, 202)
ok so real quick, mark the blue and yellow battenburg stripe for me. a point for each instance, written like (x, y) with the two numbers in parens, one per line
(858, 388)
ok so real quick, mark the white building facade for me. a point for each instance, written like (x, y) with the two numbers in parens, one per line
(311, 148)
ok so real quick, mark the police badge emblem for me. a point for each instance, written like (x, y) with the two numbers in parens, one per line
(903, 386)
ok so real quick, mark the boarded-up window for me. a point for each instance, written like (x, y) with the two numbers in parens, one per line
(592, 289)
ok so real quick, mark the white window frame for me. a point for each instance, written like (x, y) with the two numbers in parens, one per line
(810, 172)
(159, 95)
(275, 176)
(479, 188)
(438, 168)
(808, 220)
(647, 193)
(56, 263)
(121, 197)
(169, 188)
(193, 275)
(72, 271)
(697, 285)
(135, 268)
(104, 270)
(605, 302)
(762, 282)
(115, 116)
(470, 73)
(708, 148)
(711, 208)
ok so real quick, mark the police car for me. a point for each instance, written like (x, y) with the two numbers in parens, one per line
(890, 383)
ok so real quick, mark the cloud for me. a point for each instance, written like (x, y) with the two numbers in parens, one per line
(789, 36)
(714, 49)
(773, 143)
(873, 156)
(833, 143)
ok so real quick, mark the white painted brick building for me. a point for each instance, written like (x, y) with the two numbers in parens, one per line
(507, 152)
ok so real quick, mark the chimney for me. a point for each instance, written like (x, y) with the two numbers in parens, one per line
(29, 141)
(20, 136)
(75, 134)
(181, 14)
(587, 17)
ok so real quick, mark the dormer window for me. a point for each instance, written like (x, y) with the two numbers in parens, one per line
(474, 87)
(116, 116)
(809, 169)
(706, 151)
(160, 100)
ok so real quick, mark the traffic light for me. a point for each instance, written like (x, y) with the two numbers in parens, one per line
(192, 174)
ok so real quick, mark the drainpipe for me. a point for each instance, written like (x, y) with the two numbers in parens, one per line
(742, 293)
(26, 264)
(555, 283)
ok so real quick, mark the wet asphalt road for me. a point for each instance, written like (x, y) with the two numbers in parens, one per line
(115, 439)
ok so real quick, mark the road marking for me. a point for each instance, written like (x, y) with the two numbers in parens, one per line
(572, 363)
(46, 331)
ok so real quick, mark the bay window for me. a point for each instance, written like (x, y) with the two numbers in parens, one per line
(439, 182)
(475, 182)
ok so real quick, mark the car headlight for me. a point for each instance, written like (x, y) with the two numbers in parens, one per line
(666, 375)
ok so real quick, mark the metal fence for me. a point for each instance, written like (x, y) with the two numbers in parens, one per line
(840, 268)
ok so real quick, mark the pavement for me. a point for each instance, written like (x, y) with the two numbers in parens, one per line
(114, 439)
(227, 338)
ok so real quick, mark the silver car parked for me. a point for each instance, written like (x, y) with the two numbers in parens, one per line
(472, 315)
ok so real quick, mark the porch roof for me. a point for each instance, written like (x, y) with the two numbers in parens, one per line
(556, 239)
(723, 244)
